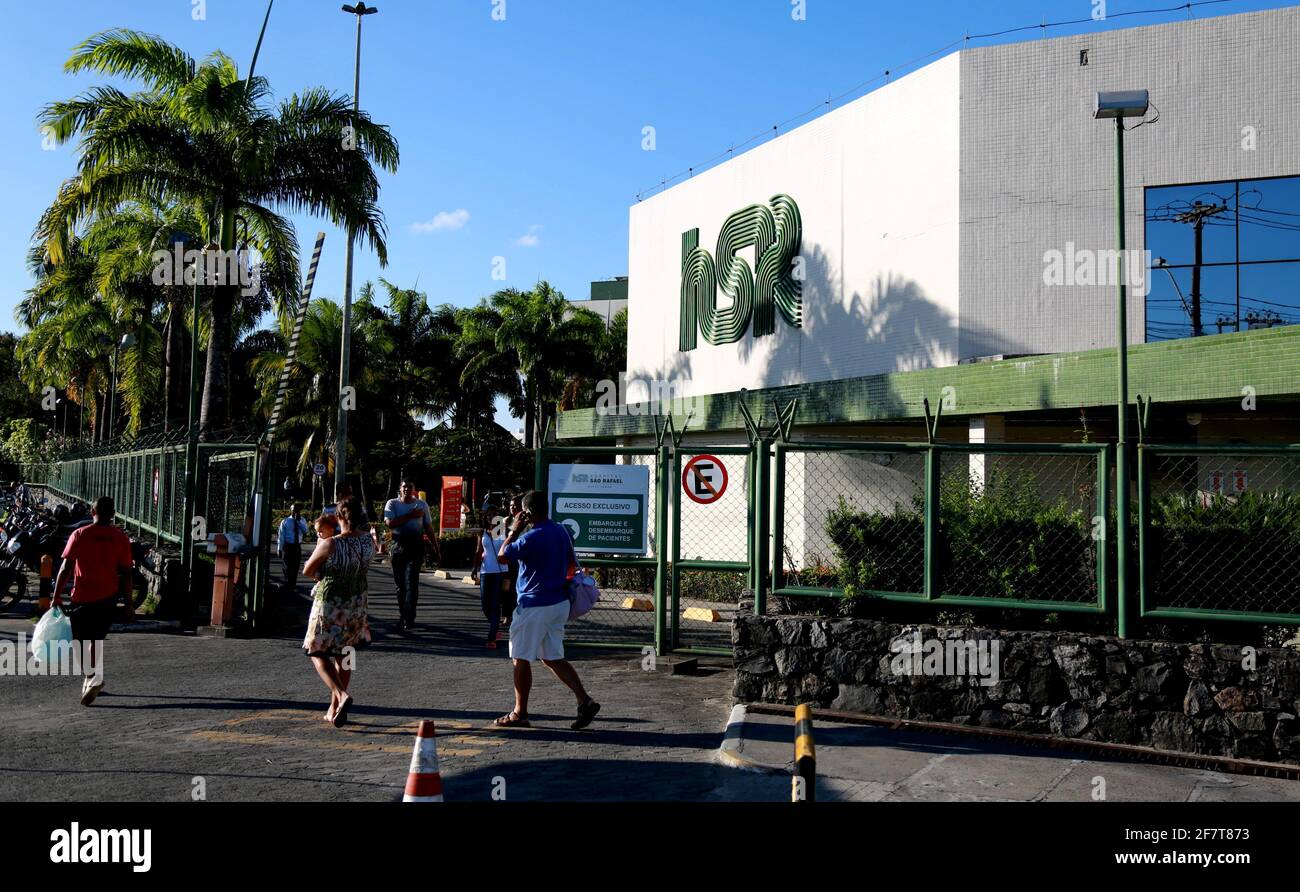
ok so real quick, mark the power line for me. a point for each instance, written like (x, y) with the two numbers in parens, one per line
(825, 105)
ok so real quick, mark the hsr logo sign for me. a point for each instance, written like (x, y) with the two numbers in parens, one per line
(775, 233)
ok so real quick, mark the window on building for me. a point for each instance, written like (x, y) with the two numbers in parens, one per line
(1224, 257)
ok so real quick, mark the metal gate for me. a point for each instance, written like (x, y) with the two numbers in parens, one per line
(683, 593)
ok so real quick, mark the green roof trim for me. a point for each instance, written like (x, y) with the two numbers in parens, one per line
(1213, 367)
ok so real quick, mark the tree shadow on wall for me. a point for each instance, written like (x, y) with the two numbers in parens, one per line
(901, 329)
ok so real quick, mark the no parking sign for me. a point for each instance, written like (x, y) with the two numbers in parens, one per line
(704, 479)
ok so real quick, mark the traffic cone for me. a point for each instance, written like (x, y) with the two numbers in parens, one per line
(423, 782)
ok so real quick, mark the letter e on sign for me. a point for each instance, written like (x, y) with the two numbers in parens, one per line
(704, 479)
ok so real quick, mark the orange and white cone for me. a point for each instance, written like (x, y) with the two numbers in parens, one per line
(423, 782)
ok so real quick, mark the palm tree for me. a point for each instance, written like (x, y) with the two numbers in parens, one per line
(199, 134)
(542, 338)
(68, 324)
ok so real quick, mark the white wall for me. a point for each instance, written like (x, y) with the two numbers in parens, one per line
(927, 205)
(876, 182)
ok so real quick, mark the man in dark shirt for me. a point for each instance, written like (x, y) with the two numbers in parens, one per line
(545, 554)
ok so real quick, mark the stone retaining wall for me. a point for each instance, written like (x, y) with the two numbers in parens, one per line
(1194, 698)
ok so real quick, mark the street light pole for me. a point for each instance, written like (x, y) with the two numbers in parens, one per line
(191, 451)
(1121, 105)
(341, 435)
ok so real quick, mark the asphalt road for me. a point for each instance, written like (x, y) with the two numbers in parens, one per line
(245, 717)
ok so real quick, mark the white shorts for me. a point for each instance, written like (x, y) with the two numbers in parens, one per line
(537, 633)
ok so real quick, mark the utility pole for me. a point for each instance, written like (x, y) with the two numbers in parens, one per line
(341, 437)
(1197, 217)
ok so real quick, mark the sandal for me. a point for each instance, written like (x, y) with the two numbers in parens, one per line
(586, 712)
(341, 714)
(512, 720)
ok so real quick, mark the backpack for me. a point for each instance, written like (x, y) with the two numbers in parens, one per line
(583, 592)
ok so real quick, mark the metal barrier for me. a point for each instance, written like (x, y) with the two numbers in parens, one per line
(148, 486)
(632, 612)
(1006, 525)
(713, 542)
(1219, 533)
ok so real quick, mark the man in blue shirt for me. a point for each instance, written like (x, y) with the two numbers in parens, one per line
(544, 554)
(289, 545)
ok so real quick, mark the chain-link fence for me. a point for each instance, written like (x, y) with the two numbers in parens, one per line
(851, 520)
(626, 614)
(228, 489)
(713, 543)
(1219, 531)
(1007, 525)
(148, 486)
(1020, 526)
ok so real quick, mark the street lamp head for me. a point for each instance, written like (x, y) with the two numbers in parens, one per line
(1122, 104)
(360, 9)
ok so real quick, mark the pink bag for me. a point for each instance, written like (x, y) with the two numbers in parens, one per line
(583, 592)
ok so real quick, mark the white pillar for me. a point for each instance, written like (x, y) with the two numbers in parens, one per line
(984, 429)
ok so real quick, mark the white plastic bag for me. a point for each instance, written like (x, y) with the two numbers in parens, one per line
(53, 629)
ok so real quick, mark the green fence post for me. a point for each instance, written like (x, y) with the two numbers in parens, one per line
(759, 529)
(674, 570)
(1143, 521)
(539, 469)
(1103, 545)
(932, 522)
(778, 516)
(663, 484)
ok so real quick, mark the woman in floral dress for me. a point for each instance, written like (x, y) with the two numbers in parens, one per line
(338, 618)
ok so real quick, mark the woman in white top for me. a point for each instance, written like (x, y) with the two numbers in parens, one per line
(489, 571)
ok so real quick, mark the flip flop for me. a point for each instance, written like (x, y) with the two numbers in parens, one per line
(586, 712)
(341, 714)
(512, 720)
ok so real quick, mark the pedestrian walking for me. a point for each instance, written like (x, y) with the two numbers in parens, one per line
(97, 561)
(288, 544)
(546, 563)
(510, 584)
(410, 520)
(341, 495)
(490, 572)
(340, 605)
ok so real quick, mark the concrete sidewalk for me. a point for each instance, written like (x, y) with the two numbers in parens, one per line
(870, 763)
(242, 719)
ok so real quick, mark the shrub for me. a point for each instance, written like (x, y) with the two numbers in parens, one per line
(1226, 552)
(1002, 541)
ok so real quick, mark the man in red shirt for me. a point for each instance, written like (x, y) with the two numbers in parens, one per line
(98, 560)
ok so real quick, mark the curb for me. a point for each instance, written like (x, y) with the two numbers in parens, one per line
(733, 742)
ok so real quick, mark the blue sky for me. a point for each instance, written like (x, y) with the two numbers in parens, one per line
(520, 138)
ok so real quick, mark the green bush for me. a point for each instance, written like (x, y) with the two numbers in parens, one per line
(1005, 541)
(1229, 552)
(457, 548)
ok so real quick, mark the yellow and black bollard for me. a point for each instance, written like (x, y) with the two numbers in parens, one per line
(803, 785)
